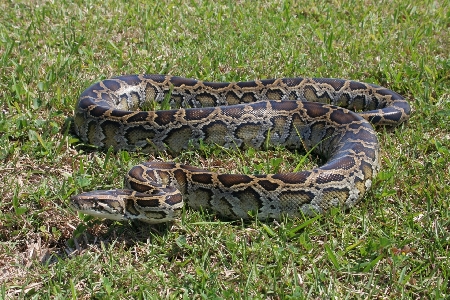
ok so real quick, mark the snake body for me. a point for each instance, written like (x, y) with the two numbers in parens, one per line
(310, 113)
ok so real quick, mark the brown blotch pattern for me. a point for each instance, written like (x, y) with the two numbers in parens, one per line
(346, 139)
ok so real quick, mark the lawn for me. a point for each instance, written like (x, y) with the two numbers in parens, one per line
(394, 244)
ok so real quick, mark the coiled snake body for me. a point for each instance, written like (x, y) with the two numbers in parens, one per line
(115, 113)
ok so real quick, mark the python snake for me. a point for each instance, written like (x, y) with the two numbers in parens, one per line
(309, 113)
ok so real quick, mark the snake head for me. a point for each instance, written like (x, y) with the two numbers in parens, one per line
(124, 204)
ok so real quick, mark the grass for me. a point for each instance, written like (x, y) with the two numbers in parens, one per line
(394, 244)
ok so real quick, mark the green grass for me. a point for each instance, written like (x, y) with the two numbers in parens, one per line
(394, 244)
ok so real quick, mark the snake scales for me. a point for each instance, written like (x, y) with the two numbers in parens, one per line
(115, 113)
